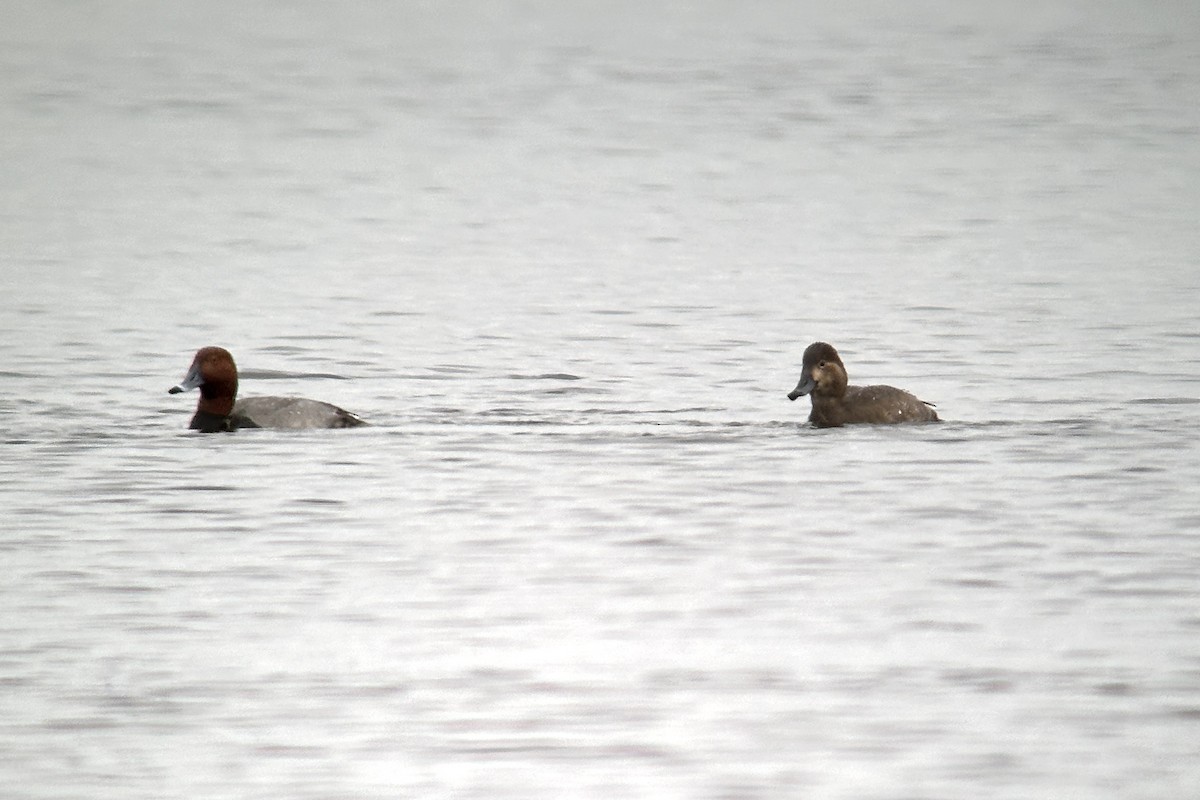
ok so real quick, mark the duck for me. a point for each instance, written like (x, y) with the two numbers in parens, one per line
(215, 374)
(836, 403)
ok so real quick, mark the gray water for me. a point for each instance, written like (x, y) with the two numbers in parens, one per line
(566, 258)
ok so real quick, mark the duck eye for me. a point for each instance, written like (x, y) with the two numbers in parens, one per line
(822, 364)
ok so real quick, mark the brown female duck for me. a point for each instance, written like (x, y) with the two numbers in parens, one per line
(835, 403)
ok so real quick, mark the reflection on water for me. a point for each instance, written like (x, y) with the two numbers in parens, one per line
(567, 264)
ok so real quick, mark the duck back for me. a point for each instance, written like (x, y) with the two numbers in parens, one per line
(884, 405)
(292, 413)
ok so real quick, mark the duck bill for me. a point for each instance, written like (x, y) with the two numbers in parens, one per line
(805, 386)
(189, 382)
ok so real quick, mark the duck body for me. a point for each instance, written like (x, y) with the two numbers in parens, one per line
(214, 373)
(836, 403)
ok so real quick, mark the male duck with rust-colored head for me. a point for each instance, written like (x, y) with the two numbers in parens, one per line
(215, 374)
(836, 403)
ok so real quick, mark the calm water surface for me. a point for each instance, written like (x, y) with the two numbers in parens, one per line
(566, 260)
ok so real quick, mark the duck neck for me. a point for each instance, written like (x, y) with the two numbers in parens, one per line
(827, 411)
(217, 398)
